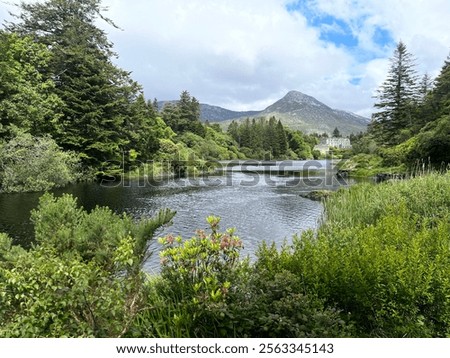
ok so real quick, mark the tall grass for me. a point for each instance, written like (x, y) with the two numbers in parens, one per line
(427, 196)
(382, 255)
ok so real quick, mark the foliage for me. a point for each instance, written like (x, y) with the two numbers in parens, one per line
(381, 257)
(26, 95)
(413, 126)
(198, 278)
(82, 278)
(206, 291)
(97, 95)
(35, 163)
(368, 165)
(274, 304)
(433, 140)
(270, 140)
(184, 115)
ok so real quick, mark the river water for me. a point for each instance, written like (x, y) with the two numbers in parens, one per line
(261, 200)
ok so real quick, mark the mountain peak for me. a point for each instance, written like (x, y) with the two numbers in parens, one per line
(297, 111)
(296, 95)
(293, 101)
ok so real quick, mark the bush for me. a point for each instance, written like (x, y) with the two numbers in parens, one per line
(82, 278)
(200, 276)
(35, 164)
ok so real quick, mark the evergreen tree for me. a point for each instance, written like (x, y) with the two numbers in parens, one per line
(140, 126)
(97, 94)
(233, 131)
(440, 96)
(282, 139)
(425, 87)
(396, 98)
(433, 141)
(336, 133)
(184, 115)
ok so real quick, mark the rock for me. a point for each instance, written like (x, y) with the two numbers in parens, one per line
(317, 194)
(381, 177)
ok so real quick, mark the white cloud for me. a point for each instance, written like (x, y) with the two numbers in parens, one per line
(247, 54)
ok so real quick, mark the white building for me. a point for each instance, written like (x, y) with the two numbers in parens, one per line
(327, 143)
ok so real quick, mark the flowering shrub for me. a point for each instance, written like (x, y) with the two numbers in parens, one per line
(200, 268)
(202, 274)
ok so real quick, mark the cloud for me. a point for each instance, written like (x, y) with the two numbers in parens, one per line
(247, 54)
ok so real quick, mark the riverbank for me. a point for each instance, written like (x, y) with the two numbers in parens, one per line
(376, 267)
(368, 165)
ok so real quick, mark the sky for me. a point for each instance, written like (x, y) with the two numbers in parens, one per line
(246, 54)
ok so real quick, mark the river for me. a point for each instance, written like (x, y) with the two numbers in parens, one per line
(261, 200)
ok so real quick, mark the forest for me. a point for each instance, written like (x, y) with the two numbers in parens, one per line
(411, 125)
(376, 266)
(68, 113)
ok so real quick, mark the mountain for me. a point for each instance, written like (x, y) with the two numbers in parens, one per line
(214, 113)
(299, 111)
(296, 110)
(218, 114)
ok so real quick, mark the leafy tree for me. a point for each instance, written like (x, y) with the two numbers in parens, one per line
(396, 98)
(27, 100)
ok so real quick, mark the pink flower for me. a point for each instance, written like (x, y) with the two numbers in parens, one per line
(170, 239)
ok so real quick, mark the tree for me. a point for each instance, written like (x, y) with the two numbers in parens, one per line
(141, 127)
(336, 133)
(96, 93)
(396, 97)
(425, 87)
(432, 143)
(440, 96)
(281, 138)
(27, 100)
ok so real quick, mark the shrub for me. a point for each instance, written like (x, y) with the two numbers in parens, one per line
(35, 164)
(202, 274)
(205, 291)
(82, 278)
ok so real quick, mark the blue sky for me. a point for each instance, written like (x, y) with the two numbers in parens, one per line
(246, 54)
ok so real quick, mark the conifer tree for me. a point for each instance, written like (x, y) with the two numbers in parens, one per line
(396, 98)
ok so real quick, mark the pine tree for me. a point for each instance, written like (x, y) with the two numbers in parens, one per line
(396, 98)
(282, 139)
(440, 96)
(425, 87)
(336, 133)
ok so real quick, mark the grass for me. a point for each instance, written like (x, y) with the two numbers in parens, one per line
(426, 195)
(368, 165)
